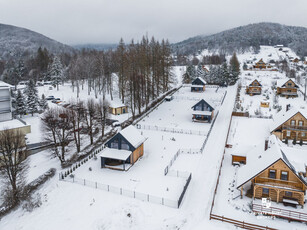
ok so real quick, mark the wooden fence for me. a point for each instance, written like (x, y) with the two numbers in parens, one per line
(240, 224)
(240, 114)
(283, 213)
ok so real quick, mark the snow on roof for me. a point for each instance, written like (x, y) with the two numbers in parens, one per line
(117, 154)
(11, 124)
(116, 104)
(284, 116)
(5, 85)
(132, 135)
(240, 150)
(250, 84)
(200, 86)
(280, 83)
(202, 80)
(258, 160)
(197, 112)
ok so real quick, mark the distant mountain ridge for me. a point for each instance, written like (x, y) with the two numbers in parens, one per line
(16, 40)
(242, 38)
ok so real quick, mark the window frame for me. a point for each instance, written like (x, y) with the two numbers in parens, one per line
(281, 175)
(265, 191)
(273, 170)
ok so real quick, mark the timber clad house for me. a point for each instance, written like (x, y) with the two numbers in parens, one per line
(202, 112)
(123, 149)
(254, 88)
(198, 85)
(278, 172)
(291, 124)
(287, 89)
(260, 65)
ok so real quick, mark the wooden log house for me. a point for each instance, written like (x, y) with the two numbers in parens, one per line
(117, 108)
(202, 112)
(291, 124)
(260, 65)
(123, 149)
(287, 89)
(254, 88)
(278, 173)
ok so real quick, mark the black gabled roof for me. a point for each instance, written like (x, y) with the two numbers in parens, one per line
(203, 101)
(251, 84)
(295, 85)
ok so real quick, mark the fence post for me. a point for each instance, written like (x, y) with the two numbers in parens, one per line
(121, 191)
(133, 194)
(243, 224)
(96, 184)
(148, 197)
(162, 201)
(84, 181)
(108, 188)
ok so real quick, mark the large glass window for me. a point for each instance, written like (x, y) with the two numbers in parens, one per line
(300, 123)
(125, 146)
(288, 194)
(272, 173)
(114, 144)
(284, 175)
(288, 133)
(293, 122)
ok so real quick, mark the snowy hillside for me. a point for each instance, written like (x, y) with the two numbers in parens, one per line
(15, 40)
(240, 39)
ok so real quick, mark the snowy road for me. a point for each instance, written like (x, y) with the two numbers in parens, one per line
(200, 193)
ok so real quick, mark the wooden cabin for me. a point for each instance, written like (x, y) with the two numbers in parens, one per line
(123, 149)
(198, 85)
(290, 125)
(271, 173)
(254, 88)
(202, 112)
(260, 65)
(264, 103)
(296, 60)
(117, 108)
(287, 89)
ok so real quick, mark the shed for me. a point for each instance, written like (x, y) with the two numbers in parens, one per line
(117, 108)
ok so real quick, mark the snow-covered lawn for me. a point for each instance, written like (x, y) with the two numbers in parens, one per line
(244, 134)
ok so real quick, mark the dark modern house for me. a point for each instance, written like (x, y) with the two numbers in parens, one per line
(202, 112)
(198, 85)
(123, 149)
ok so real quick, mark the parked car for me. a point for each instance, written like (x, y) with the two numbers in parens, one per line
(56, 100)
(50, 98)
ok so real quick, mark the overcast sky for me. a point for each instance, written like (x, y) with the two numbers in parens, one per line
(106, 21)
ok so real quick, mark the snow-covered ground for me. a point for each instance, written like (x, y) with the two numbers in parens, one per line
(66, 205)
(228, 201)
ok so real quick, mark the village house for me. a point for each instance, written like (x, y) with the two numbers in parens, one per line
(202, 112)
(254, 88)
(287, 89)
(117, 108)
(198, 85)
(123, 149)
(295, 60)
(290, 125)
(278, 172)
(260, 65)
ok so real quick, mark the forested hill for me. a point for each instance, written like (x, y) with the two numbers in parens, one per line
(240, 39)
(20, 41)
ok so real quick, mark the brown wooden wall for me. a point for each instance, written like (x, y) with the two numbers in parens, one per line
(137, 154)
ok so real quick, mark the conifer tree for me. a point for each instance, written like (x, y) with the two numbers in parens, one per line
(43, 103)
(32, 98)
(56, 72)
(20, 105)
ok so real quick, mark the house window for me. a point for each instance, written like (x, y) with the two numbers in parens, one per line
(293, 122)
(272, 173)
(290, 84)
(265, 191)
(300, 123)
(114, 144)
(125, 146)
(288, 194)
(303, 134)
(198, 107)
(284, 175)
(288, 133)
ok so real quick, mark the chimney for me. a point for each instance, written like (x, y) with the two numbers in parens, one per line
(266, 144)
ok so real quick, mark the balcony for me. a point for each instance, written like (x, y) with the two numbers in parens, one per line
(279, 183)
(295, 127)
(289, 93)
